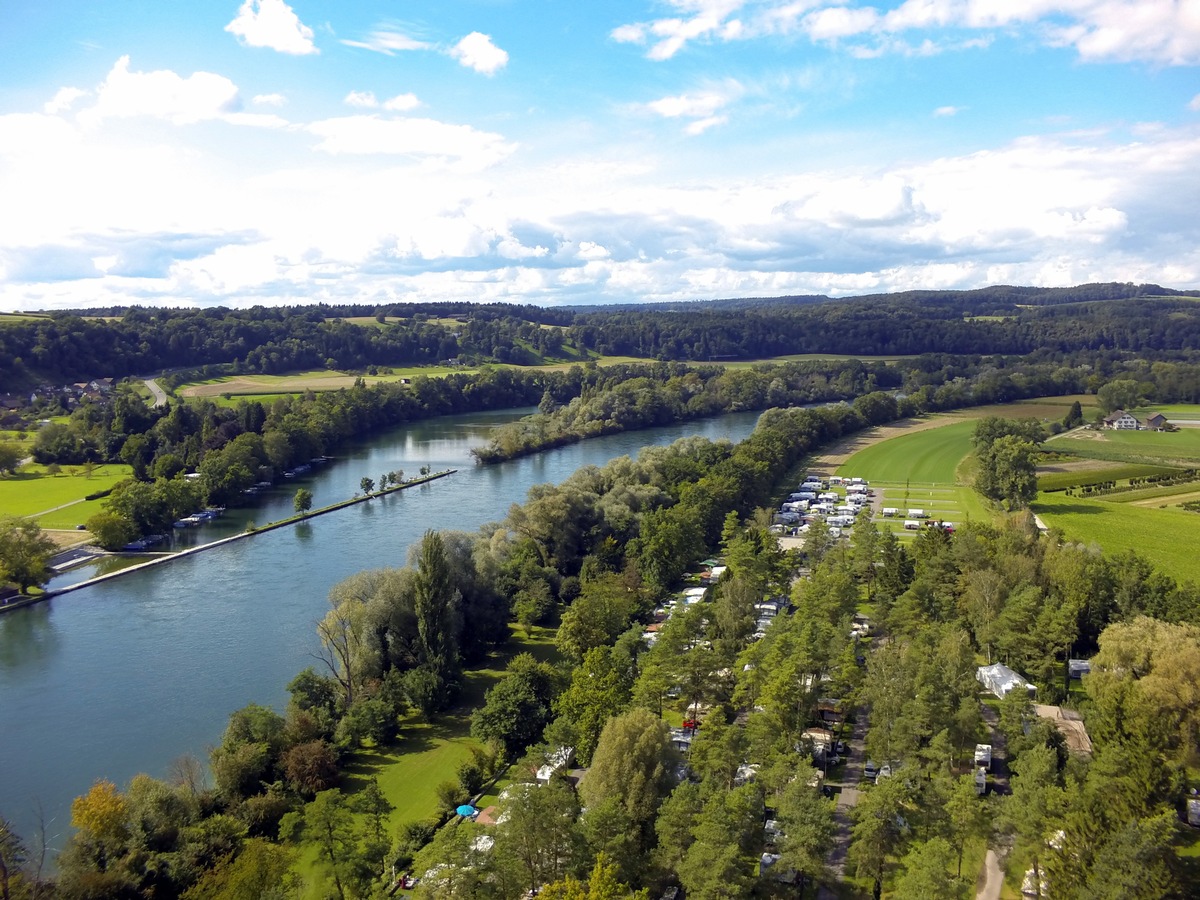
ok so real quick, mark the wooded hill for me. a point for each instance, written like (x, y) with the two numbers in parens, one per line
(67, 346)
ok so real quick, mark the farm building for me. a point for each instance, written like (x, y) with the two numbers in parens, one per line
(1121, 420)
(1156, 422)
(1000, 679)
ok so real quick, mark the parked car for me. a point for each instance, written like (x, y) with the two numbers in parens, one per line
(869, 770)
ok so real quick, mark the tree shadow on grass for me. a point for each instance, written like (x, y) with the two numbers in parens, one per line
(1072, 509)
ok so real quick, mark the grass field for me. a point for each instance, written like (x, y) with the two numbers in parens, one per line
(1188, 412)
(930, 456)
(1160, 447)
(31, 492)
(1166, 537)
(17, 318)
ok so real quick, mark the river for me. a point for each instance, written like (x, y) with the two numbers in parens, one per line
(127, 675)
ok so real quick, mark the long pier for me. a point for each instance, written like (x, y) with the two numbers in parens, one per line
(242, 535)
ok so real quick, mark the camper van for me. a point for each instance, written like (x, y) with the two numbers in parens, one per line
(983, 755)
(918, 514)
(912, 525)
(890, 512)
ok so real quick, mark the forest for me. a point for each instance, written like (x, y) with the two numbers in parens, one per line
(601, 555)
(599, 559)
(1151, 321)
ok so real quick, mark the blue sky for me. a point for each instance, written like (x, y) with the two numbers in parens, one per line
(540, 151)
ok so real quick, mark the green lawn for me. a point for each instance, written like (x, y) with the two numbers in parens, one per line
(1165, 537)
(31, 492)
(931, 456)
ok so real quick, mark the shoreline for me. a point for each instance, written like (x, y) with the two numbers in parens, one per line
(23, 602)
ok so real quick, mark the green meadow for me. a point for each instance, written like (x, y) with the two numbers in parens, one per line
(931, 456)
(33, 492)
(1165, 537)
(1151, 447)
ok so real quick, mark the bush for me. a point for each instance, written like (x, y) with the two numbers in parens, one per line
(450, 796)
(470, 778)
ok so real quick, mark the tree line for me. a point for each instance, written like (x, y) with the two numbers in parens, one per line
(1112, 318)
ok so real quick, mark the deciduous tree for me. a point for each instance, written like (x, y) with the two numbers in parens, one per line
(25, 551)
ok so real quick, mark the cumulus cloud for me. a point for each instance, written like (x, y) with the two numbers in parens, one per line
(274, 25)
(476, 51)
(1195, 103)
(402, 103)
(269, 100)
(946, 111)
(389, 42)
(63, 100)
(162, 94)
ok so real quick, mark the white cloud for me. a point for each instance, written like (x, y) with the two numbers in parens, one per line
(274, 25)
(413, 137)
(361, 99)
(269, 100)
(702, 125)
(702, 106)
(476, 51)
(946, 111)
(836, 22)
(162, 94)
(389, 42)
(1162, 31)
(402, 103)
(63, 100)
(700, 20)
(694, 105)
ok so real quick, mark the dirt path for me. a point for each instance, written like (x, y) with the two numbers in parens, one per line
(992, 878)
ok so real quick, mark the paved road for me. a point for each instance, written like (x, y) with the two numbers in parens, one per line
(160, 396)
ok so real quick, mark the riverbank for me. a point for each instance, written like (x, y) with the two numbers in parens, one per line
(249, 532)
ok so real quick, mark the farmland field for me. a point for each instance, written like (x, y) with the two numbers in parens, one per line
(298, 382)
(1165, 537)
(1146, 520)
(1050, 480)
(1133, 446)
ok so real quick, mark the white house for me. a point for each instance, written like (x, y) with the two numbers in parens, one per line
(1121, 420)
